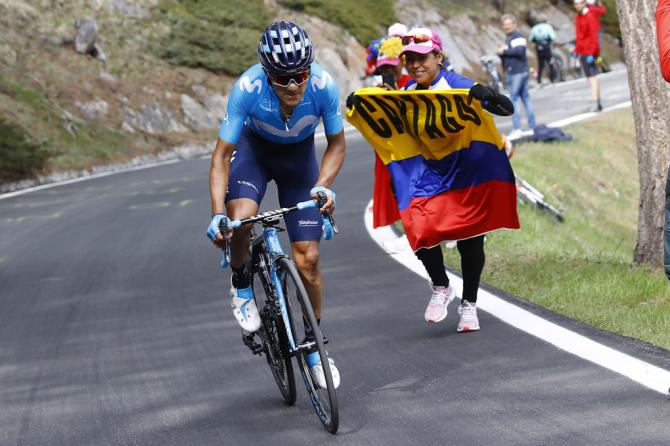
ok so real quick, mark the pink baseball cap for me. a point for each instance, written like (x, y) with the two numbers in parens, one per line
(422, 41)
(382, 59)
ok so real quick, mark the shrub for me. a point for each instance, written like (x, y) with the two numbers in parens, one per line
(19, 158)
(218, 36)
(365, 20)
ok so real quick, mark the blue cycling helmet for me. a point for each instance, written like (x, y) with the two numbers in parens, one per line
(285, 48)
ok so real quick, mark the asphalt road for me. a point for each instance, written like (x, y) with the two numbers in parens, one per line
(115, 330)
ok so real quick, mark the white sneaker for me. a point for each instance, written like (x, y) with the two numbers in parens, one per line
(468, 321)
(244, 308)
(436, 310)
(515, 134)
(315, 365)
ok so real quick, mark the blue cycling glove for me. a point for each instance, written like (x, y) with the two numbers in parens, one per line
(589, 59)
(325, 190)
(213, 227)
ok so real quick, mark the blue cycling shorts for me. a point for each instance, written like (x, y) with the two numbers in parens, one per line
(294, 169)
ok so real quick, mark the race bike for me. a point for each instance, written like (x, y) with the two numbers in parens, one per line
(286, 312)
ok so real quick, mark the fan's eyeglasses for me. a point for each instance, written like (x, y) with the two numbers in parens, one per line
(416, 38)
(285, 80)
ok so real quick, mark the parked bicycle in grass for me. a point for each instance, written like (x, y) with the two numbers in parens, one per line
(493, 81)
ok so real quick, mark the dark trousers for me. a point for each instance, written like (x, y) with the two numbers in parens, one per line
(472, 265)
(543, 61)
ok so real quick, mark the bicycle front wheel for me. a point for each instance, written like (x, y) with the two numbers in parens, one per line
(301, 316)
(275, 343)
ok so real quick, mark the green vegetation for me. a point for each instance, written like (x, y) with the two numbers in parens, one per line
(19, 157)
(582, 267)
(365, 20)
(63, 145)
(220, 36)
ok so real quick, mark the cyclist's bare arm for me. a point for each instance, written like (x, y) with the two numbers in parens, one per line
(219, 172)
(331, 164)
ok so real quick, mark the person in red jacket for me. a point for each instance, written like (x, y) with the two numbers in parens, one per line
(663, 34)
(587, 45)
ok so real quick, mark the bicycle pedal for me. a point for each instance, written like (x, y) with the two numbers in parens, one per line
(255, 347)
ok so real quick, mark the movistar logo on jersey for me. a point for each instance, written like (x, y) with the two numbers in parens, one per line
(321, 82)
(246, 84)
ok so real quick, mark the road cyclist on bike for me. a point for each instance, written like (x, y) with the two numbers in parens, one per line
(543, 36)
(268, 134)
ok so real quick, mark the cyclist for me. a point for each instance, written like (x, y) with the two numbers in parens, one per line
(268, 134)
(424, 60)
(543, 35)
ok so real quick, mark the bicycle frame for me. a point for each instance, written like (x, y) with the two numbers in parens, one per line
(274, 249)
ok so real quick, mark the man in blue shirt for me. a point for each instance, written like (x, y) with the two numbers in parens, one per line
(268, 134)
(515, 63)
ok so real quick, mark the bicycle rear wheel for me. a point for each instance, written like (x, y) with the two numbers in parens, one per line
(301, 315)
(275, 342)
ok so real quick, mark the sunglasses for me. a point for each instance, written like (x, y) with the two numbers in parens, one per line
(285, 80)
(416, 38)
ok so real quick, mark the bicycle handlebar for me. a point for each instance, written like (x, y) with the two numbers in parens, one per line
(271, 215)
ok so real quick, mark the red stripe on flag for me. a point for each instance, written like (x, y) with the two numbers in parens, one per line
(460, 214)
(384, 204)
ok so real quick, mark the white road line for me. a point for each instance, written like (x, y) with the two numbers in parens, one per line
(642, 372)
(86, 177)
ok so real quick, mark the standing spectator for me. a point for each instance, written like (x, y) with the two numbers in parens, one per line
(543, 35)
(587, 46)
(597, 7)
(515, 63)
(663, 35)
(389, 65)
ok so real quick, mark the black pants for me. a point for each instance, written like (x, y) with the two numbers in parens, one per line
(472, 265)
(544, 60)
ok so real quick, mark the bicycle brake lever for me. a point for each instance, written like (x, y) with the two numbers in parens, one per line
(321, 199)
(330, 218)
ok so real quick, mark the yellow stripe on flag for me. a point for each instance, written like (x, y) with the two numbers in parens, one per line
(432, 123)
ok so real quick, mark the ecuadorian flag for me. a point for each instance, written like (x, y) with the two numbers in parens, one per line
(449, 171)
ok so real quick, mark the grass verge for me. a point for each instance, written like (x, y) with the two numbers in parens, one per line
(582, 268)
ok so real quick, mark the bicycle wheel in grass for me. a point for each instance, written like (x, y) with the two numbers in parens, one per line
(300, 314)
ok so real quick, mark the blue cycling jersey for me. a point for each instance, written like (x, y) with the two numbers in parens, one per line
(253, 102)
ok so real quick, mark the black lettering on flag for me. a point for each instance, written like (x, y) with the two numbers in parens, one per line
(430, 125)
(449, 123)
(380, 127)
(391, 113)
(415, 120)
(402, 107)
(465, 112)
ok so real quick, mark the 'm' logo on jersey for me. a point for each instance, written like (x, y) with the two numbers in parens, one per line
(246, 84)
(321, 82)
